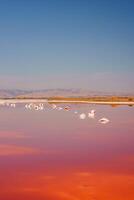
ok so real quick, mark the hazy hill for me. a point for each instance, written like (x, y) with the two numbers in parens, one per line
(56, 93)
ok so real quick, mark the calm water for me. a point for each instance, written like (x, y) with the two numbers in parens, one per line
(55, 155)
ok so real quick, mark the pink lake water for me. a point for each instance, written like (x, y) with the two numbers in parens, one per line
(55, 155)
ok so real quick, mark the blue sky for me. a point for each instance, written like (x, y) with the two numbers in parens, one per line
(67, 44)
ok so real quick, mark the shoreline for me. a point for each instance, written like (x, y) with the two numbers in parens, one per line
(4, 101)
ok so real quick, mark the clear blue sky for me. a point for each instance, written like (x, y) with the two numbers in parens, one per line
(67, 44)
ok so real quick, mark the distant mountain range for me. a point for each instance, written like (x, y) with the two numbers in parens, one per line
(57, 93)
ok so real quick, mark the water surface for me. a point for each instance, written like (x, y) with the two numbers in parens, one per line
(54, 155)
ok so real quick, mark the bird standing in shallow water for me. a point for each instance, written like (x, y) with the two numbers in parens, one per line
(91, 114)
(82, 116)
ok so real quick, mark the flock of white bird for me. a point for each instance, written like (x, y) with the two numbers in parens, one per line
(91, 115)
(40, 106)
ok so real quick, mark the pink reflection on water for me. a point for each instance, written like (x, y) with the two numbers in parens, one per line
(76, 159)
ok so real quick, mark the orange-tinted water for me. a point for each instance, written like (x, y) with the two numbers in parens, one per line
(54, 155)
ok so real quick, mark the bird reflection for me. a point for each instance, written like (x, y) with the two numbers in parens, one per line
(103, 120)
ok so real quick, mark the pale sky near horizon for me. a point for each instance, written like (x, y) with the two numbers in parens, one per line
(85, 44)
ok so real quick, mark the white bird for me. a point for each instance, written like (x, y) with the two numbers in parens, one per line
(36, 107)
(41, 106)
(91, 114)
(60, 108)
(104, 120)
(26, 106)
(54, 106)
(12, 105)
(30, 106)
(82, 116)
